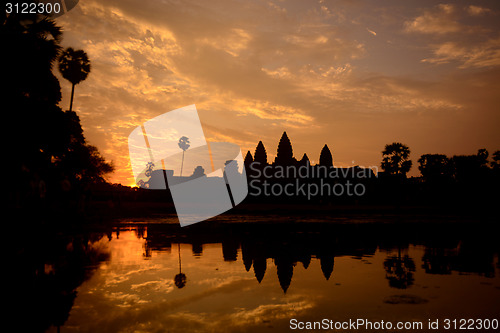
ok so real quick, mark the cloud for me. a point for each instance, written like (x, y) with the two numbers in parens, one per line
(268, 66)
(156, 58)
(446, 19)
(459, 36)
(441, 19)
(486, 54)
(477, 10)
(151, 313)
(270, 312)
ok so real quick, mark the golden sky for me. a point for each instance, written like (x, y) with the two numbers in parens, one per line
(353, 74)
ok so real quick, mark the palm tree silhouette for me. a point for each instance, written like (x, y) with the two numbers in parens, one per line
(74, 66)
(184, 145)
(31, 47)
(396, 159)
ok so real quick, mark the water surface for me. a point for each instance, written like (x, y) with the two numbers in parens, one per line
(160, 278)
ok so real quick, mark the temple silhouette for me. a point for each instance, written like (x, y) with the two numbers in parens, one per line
(285, 171)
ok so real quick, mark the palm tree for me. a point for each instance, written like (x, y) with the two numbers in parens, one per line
(30, 46)
(396, 159)
(184, 145)
(74, 66)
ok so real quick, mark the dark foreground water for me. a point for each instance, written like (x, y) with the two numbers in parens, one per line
(261, 277)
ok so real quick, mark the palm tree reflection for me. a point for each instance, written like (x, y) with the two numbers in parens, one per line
(399, 270)
(180, 279)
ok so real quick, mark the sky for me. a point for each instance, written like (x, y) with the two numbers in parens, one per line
(353, 74)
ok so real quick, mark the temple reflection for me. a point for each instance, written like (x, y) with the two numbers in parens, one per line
(66, 262)
(288, 246)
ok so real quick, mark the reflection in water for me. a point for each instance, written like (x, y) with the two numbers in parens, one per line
(46, 273)
(121, 279)
(180, 279)
(399, 271)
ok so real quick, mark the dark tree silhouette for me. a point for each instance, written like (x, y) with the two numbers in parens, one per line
(47, 274)
(483, 155)
(30, 47)
(78, 158)
(50, 145)
(437, 261)
(87, 163)
(284, 155)
(30, 91)
(325, 157)
(74, 66)
(469, 168)
(198, 172)
(435, 167)
(396, 159)
(260, 155)
(495, 164)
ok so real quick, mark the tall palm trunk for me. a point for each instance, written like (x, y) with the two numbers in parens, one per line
(72, 94)
(179, 247)
(182, 163)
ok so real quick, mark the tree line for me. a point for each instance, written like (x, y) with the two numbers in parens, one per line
(395, 162)
(439, 167)
(49, 157)
(469, 179)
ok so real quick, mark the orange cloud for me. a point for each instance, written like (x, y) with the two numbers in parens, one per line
(440, 20)
(486, 54)
(256, 70)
